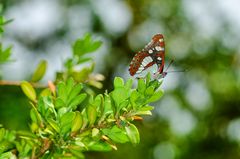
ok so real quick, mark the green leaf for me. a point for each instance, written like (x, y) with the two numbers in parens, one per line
(5, 145)
(148, 78)
(156, 96)
(94, 46)
(66, 121)
(91, 114)
(146, 108)
(98, 103)
(77, 100)
(35, 116)
(99, 146)
(85, 45)
(123, 104)
(95, 132)
(69, 63)
(26, 134)
(107, 106)
(132, 133)
(46, 92)
(40, 71)
(5, 54)
(96, 84)
(28, 90)
(81, 75)
(141, 86)
(119, 95)
(129, 84)
(77, 122)
(143, 112)
(135, 95)
(69, 85)
(62, 111)
(61, 90)
(53, 124)
(77, 154)
(82, 60)
(118, 82)
(7, 155)
(10, 135)
(116, 134)
(59, 103)
(155, 83)
(74, 92)
(149, 91)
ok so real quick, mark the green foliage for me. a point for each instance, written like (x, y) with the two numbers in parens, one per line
(67, 121)
(4, 53)
(84, 46)
(80, 54)
(3, 21)
(65, 126)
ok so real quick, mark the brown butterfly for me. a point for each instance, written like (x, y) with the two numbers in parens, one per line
(150, 59)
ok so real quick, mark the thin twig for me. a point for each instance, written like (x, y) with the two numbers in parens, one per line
(18, 83)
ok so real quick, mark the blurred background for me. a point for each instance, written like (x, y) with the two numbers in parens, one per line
(198, 116)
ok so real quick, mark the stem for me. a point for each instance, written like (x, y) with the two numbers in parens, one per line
(46, 146)
(18, 83)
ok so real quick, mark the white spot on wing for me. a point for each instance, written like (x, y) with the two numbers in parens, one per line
(152, 69)
(138, 71)
(141, 68)
(147, 60)
(150, 51)
(144, 63)
(159, 58)
(158, 48)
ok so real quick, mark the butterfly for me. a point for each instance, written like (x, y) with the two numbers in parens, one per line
(150, 59)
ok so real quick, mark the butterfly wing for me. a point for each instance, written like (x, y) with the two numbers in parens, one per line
(140, 62)
(151, 58)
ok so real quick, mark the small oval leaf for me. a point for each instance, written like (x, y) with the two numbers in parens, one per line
(95, 132)
(141, 85)
(66, 121)
(77, 100)
(46, 92)
(156, 96)
(118, 82)
(28, 90)
(54, 125)
(132, 133)
(40, 71)
(74, 92)
(149, 91)
(77, 122)
(91, 114)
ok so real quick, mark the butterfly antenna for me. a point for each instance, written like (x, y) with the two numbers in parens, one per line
(184, 70)
(169, 65)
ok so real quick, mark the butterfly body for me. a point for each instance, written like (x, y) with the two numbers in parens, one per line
(149, 59)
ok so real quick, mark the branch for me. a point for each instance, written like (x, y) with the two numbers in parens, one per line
(18, 83)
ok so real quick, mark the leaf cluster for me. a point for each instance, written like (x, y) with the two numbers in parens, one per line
(81, 50)
(80, 54)
(67, 122)
(4, 53)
